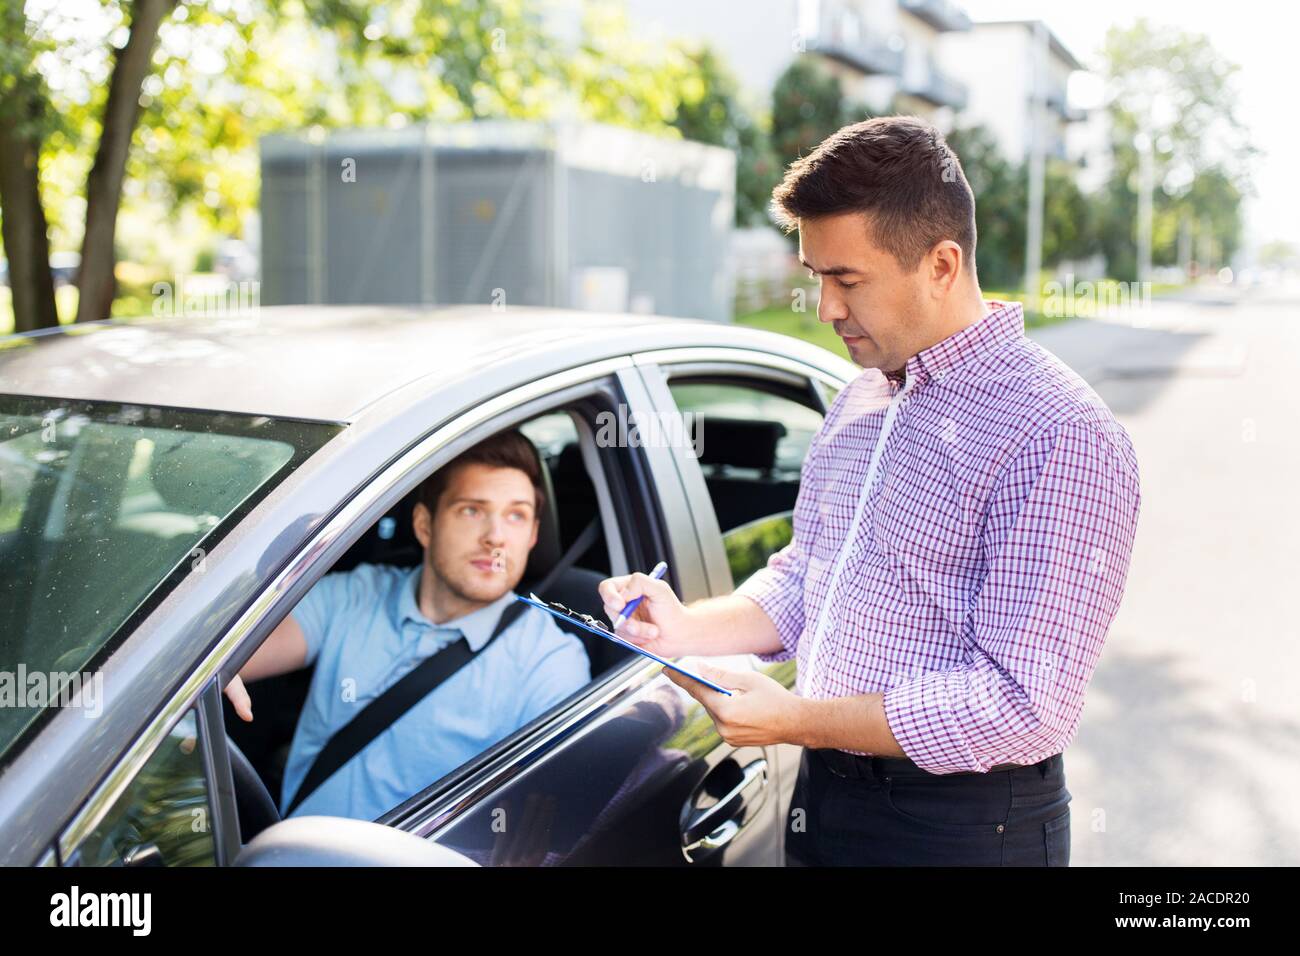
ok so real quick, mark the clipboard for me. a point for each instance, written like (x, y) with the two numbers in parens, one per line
(589, 623)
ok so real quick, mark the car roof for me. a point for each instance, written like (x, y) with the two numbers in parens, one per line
(329, 362)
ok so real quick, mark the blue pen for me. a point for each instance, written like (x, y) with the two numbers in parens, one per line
(657, 573)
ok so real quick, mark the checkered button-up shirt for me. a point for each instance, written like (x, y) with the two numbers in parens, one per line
(961, 541)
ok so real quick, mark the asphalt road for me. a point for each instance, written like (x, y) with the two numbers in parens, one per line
(1188, 752)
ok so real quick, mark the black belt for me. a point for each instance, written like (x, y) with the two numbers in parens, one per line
(844, 764)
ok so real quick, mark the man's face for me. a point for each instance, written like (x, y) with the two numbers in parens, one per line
(485, 526)
(879, 311)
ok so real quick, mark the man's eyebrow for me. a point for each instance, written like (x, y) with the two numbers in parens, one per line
(483, 501)
(832, 271)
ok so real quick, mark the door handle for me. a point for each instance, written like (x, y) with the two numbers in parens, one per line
(714, 827)
(143, 854)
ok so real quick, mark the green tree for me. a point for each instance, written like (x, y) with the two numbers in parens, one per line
(117, 122)
(1069, 217)
(711, 111)
(26, 122)
(90, 124)
(1173, 87)
(807, 106)
(1000, 189)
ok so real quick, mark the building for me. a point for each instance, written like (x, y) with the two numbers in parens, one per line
(575, 215)
(1005, 100)
(885, 53)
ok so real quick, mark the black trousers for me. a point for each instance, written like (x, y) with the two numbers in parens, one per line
(884, 811)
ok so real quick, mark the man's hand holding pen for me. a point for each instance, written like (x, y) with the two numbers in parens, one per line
(660, 623)
(760, 710)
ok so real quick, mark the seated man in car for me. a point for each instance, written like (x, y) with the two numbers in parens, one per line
(477, 520)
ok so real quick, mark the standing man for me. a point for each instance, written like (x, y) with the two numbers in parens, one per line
(961, 541)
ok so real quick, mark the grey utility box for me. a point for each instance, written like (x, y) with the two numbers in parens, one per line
(578, 215)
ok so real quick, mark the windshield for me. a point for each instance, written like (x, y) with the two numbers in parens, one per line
(104, 508)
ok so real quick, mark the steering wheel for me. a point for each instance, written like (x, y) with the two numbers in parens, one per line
(255, 806)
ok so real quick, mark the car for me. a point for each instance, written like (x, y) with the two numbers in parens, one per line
(171, 487)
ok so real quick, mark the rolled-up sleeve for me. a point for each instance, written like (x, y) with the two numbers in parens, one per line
(1058, 540)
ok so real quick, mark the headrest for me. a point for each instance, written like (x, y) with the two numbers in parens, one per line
(737, 442)
(206, 474)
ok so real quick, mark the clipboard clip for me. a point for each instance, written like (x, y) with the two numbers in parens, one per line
(575, 615)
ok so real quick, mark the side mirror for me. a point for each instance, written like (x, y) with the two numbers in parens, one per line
(339, 841)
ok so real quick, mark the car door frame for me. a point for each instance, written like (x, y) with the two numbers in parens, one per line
(658, 368)
(441, 811)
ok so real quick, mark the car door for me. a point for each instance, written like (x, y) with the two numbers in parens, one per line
(631, 770)
(754, 415)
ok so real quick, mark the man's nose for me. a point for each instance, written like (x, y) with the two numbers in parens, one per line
(830, 307)
(495, 533)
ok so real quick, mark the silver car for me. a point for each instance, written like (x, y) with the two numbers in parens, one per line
(170, 488)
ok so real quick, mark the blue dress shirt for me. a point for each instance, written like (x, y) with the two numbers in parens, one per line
(364, 631)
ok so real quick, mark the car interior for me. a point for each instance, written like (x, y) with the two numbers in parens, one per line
(741, 469)
(751, 469)
(570, 522)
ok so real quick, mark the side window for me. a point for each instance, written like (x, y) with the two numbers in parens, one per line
(165, 815)
(556, 438)
(578, 526)
(752, 444)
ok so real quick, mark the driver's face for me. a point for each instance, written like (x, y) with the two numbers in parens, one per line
(486, 524)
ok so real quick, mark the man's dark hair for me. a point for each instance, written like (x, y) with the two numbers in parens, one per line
(896, 170)
(508, 449)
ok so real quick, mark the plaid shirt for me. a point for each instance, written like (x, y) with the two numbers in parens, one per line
(961, 540)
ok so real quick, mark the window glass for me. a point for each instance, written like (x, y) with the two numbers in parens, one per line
(752, 445)
(165, 812)
(529, 671)
(104, 507)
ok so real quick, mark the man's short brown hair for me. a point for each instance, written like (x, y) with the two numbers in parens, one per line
(896, 170)
(508, 449)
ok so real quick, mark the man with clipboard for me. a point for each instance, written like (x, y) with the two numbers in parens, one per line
(962, 537)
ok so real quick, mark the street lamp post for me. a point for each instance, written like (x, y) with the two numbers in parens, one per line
(1146, 186)
(1037, 166)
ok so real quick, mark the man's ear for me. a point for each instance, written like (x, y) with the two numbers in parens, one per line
(537, 526)
(422, 524)
(945, 265)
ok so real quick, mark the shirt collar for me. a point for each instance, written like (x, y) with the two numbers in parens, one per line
(1002, 322)
(476, 626)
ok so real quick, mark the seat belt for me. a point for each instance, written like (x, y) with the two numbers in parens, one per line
(414, 686)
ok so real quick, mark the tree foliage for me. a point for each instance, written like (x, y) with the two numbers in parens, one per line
(1174, 88)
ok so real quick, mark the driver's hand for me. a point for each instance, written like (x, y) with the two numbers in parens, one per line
(238, 695)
